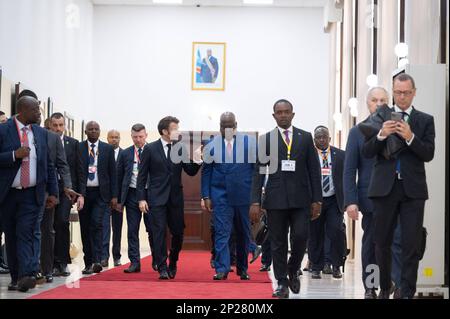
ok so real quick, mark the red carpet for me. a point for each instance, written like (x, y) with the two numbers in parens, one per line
(193, 281)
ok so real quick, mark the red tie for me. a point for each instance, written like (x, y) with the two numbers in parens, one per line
(229, 149)
(25, 167)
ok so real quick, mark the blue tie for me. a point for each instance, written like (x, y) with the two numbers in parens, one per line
(326, 178)
(92, 161)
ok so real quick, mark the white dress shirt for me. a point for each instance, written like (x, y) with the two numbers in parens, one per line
(94, 182)
(32, 158)
(164, 144)
(116, 153)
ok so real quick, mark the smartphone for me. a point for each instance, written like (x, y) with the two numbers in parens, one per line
(396, 116)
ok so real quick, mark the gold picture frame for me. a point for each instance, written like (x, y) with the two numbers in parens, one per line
(208, 66)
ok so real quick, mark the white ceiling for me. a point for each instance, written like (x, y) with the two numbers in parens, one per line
(216, 3)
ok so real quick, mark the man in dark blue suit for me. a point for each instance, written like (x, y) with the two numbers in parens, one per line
(229, 161)
(161, 165)
(210, 68)
(26, 174)
(127, 173)
(357, 172)
(98, 185)
(329, 223)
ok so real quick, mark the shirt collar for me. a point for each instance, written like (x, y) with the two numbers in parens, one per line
(164, 143)
(96, 144)
(20, 124)
(408, 110)
(137, 148)
(289, 129)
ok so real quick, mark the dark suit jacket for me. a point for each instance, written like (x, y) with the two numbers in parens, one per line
(164, 178)
(71, 148)
(229, 183)
(106, 170)
(412, 160)
(337, 164)
(58, 157)
(125, 163)
(286, 190)
(357, 172)
(46, 175)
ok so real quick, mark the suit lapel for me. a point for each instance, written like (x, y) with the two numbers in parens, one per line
(162, 153)
(14, 134)
(281, 144)
(296, 141)
(37, 139)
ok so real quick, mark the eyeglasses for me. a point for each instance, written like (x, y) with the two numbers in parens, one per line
(405, 93)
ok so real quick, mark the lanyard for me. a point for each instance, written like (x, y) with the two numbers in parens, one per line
(289, 146)
(324, 157)
(136, 153)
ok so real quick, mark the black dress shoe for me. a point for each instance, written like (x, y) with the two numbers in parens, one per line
(4, 271)
(315, 274)
(97, 268)
(370, 294)
(243, 274)
(294, 282)
(384, 294)
(256, 254)
(299, 273)
(337, 273)
(104, 263)
(88, 270)
(117, 263)
(220, 276)
(133, 268)
(172, 271)
(264, 268)
(13, 286)
(163, 275)
(65, 272)
(282, 292)
(48, 278)
(39, 278)
(327, 269)
(26, 283)
(397, 293)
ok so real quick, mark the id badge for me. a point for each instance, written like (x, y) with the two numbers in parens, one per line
(92, 169)
(288, 166)
(326, 171)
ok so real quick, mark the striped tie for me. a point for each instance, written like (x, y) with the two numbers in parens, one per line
(325, 178)
(92, 161)
(25, 166)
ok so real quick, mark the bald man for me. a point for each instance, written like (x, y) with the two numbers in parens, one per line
(226, 187)
(98, 185)
(113, 217)
(27, 174)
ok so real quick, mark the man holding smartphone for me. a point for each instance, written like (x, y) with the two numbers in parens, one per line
(398, 185)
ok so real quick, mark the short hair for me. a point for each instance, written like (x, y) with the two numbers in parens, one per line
(2, 113)
(138, 127)
(47, 123)
(321, 127)
(282, 101)
(27, 93)
(57, 116)
(402, 77)
(370, 91)
(164, 123)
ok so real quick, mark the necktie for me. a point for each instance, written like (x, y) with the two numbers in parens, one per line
(169, 147)
(325, 178)
(287, 139)
(25, 166)
(139, 154)
(405, 117)
(92, 162)
(229, 149)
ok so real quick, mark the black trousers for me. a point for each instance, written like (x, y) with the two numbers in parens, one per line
(387, 209)
(266, 254)
(280, 222)
(47, 241)
(91, 224)
(161, 217)
(62, 231)
(328, 224)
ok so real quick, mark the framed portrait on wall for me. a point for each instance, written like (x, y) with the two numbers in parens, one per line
(208, 66)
